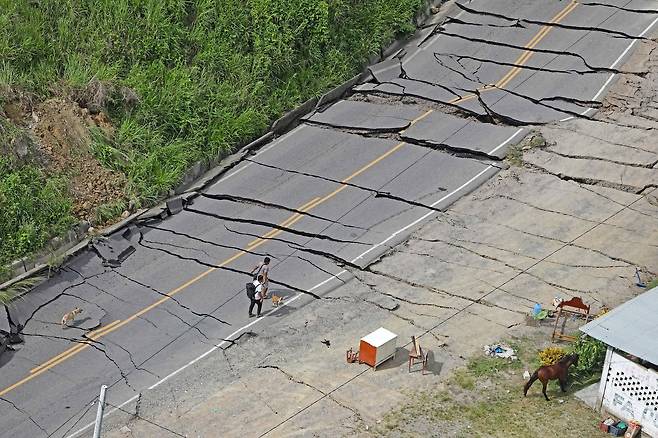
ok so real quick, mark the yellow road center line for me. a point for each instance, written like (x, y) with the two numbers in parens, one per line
(287, 223)
(284, 223)
(118, 324)
(524, 57)
(91, 336)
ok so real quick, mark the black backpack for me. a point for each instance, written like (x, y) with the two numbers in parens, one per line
(251, 290)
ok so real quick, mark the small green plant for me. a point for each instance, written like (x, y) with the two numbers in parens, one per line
(463, 379)
(54, 262)
(488, 366)
(550, 355)
(109, 211)
(591, 354)
(35, 207)
(515, 155)
(653, 283)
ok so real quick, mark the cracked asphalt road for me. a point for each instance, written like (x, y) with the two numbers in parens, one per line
(326, 201)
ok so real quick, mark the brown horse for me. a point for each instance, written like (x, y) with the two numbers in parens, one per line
(559, 371)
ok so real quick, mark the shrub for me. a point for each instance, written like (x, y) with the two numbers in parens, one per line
(207, 75)
(550, 355)
(591, 354)
(33, 208)
(204, 77)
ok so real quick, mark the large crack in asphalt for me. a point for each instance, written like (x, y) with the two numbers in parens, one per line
(398, 135)
(517, 21)
(95, 344)
(130, 356)
(376, 193)
(172, 298)
(222, 267)
(26, 414)
(290, 244)
(352, 268)
(206, 241)
(116, 297)
(271, 225)
(360, 130)
(491, 116)
(591, 70)
(59, 295)
(442, 31)
(583, 103)
(621, 8)
(239, 199)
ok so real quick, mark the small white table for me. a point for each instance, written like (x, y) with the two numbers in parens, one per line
(377, 347)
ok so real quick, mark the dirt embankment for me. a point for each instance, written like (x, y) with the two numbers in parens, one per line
(57, 136)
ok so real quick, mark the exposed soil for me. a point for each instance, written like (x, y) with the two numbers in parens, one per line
(62, 128)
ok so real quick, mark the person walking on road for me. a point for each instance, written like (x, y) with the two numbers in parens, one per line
(263, 268)
(255, 294)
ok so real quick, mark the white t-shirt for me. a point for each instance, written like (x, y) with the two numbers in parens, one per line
(259, 290)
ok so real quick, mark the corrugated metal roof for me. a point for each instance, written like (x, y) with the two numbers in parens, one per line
(631, 327)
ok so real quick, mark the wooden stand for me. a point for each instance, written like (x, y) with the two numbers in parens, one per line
(417, 354)
(573, 307)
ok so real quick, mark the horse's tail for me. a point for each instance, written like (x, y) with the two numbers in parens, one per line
(529, 383)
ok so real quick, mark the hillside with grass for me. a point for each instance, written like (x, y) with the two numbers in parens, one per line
(104, 104)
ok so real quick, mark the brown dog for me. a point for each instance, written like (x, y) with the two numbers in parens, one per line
(276, 300)
(69, 317)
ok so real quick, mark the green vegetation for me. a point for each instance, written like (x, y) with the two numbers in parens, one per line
(34, 208)
(18, 288)
(182, 80)
(591, 355)
(485, 399)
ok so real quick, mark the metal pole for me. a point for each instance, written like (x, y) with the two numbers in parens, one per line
(99, 412)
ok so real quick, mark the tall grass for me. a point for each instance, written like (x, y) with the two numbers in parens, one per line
(33, 208)
(210, 74)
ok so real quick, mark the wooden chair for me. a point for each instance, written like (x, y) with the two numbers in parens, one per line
(417, 354)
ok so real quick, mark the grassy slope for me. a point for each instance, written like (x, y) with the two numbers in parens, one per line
(209, 75)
